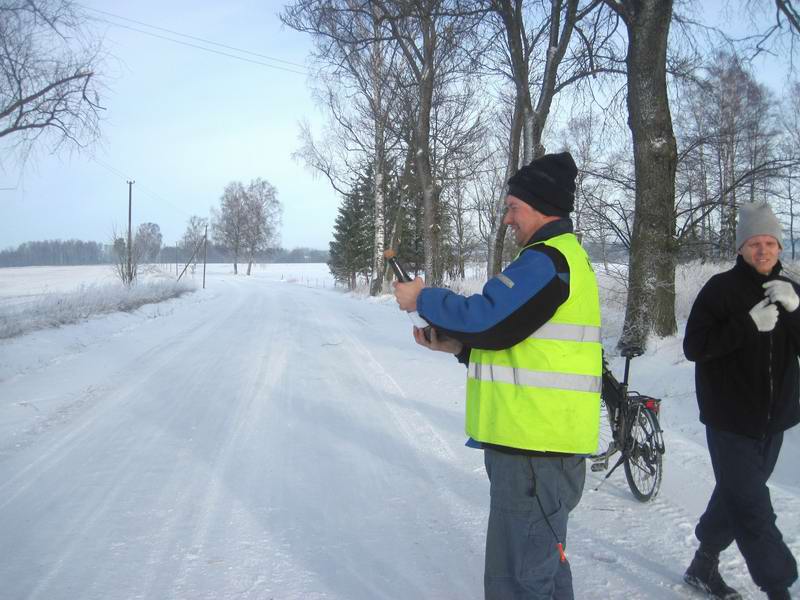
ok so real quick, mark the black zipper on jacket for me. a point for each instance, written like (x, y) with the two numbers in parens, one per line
(771, 388)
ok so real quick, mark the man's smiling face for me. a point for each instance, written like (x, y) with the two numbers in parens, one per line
(522, 218)
(761, 252)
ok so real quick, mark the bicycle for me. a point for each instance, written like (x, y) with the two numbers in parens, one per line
(635, 433)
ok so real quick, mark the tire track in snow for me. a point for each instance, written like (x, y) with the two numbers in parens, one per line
(257, 378)
(96, 508)
(98, 400)
(413, 425)
(425, 440)
(76, 436)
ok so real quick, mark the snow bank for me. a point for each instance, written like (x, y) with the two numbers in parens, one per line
(55, 309)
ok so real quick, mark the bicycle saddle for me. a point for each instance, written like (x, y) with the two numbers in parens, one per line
(631, 351)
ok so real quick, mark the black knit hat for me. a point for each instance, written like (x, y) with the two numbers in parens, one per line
(547, 184)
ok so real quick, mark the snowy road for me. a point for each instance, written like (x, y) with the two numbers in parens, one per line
(252, 445)
(269, 440)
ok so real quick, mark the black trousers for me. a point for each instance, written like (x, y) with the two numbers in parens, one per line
(740, 508)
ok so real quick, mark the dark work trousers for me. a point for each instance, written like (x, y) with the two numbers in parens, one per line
(531, 498)
(740, 507)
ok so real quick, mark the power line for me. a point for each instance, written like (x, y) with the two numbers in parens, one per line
(142, 188)
(199, 47)
(199, 39)
(116, 172)
(242, 58)
(148, 192)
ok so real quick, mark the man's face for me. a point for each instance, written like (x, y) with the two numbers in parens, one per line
(522, 218)
(761, 252)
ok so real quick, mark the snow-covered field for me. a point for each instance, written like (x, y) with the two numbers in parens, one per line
(272, 437)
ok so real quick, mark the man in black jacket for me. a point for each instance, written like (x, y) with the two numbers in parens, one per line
(743, 333)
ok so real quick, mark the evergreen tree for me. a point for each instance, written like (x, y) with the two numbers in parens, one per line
(353, 235)
(403, 199)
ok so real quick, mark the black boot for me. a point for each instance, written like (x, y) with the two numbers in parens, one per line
(778, 595)
(703, 574)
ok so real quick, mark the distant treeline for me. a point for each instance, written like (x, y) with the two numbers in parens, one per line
(56, 252)
(78, 252)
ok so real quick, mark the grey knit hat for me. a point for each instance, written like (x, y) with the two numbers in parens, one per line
(757, 219)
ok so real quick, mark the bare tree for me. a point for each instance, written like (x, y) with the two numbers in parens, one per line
(262, 217)
(729, 153)
(126, 264)
(193, 238)
(396, 89)
(247, 220)
(787, 190)
(600, 187)
(148, 242)
(432, 36)
(535, 52)
(229, 222)
(48, 74)
(485, 187)
(357, 63)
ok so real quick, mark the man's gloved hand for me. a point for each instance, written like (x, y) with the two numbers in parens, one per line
(781, 291)
(764, 315)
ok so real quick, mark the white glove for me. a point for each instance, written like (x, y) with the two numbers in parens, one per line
(783, 292)
(764, 315)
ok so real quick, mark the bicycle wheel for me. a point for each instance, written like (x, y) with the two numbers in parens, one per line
(643, 465)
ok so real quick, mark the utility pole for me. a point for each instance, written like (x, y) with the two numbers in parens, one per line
(205, 256)
(130, 248)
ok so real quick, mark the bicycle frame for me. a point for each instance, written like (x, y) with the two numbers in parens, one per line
(638, 454)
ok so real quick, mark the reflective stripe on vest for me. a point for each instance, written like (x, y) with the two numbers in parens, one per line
(544, 392)
(541, 379)
(567, 333)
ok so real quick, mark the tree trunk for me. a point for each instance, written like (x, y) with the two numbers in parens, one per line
(423, 157)
(651, 278)
(394, 241)
(496, 250)
(791, 214)
(421, 60)
(379, 200)
(378, 115)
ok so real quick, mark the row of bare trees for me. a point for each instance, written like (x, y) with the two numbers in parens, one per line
(405, 85)
(447, 98)
(245, 224)
(247, 220)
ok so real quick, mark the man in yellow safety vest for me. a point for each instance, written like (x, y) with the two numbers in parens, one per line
(531, 343)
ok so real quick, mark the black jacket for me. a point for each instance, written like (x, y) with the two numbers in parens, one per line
(747, 381)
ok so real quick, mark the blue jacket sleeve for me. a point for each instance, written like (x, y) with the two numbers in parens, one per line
(511, 306)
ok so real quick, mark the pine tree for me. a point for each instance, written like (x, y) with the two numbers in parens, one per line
(353, 235)
(405, 194)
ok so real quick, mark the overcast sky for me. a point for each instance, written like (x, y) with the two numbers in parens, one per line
(182, 123)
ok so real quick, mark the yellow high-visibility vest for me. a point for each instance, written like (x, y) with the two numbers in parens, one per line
(544, 393)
